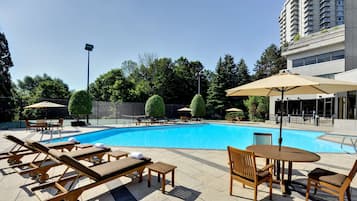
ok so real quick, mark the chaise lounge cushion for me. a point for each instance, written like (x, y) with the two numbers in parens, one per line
(102, 171)
(327, 176)
(107, 170)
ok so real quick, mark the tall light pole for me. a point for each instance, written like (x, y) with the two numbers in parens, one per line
(89, 48)
(198, 74)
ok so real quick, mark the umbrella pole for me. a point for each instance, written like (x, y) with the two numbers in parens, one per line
(281, 119)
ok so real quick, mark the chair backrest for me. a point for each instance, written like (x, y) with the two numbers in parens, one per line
(75, 164)
(242, 163)
(353, 171)
(262, 138)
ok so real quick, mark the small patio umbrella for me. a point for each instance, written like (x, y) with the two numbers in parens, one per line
(233, 109)
(184, 109)
(287, 83)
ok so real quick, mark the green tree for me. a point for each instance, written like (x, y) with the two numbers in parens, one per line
(258, 107)
(155, 106)
(52, 89)
(128, 67)
(38, 88)
(225, 78)
(80, 104)
(111, 86)
(198, 106)
(162, 79)
(186, 79)
(7, 104)
(270, 63)
(243, 73)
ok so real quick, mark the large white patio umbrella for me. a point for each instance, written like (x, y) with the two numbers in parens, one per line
(286, 83)
(43, 104)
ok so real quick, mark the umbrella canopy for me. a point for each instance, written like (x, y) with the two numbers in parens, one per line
(233, 109)
(43, 104)
(290, 84)
(184, 109)
(286, 83)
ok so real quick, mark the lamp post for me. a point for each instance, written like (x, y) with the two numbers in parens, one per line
(89, 48)
(198, 74)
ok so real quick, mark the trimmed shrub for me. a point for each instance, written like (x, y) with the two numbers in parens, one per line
(155, 106)
(80, 104)
(198, 106)
(231, 116)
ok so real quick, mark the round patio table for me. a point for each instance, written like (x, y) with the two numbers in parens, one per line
(288, 154)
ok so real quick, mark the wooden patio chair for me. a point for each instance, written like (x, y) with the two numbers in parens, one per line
(68, 188)
(331, 182)
(243, 169)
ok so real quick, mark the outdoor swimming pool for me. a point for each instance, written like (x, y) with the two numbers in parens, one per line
(205, 136)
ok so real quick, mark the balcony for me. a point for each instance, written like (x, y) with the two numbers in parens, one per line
(324, 10)
(294, 21)
(323, 1)
(325, 4)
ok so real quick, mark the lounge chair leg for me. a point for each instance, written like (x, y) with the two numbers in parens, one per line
(230, 186)
(308, 189)
(271, 188)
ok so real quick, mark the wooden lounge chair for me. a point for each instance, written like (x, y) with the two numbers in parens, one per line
(243, 169)
(331, 182)
(40, 168)
(21, 149)
(99, 174)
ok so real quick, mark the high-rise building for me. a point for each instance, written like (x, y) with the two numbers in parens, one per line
(304, 17)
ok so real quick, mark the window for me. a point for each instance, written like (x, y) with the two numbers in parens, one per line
(323, 57)
(298, 62)
(338, 55)
(310, 60)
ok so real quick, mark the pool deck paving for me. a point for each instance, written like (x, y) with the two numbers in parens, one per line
(201, 175)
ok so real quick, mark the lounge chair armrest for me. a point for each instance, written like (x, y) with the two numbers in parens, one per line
(267, 167)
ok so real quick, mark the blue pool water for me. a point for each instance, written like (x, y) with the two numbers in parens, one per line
(205, 136)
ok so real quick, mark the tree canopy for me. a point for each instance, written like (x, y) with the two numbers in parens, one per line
(270, 63)
(7, 103)
(111, 86)
(225, 78)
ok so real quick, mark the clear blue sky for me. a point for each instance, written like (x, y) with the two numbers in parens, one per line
(49, 36)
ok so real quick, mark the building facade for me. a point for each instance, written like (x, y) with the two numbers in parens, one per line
(327, 48)
(299, 18)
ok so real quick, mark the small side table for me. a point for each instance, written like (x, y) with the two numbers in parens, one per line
(162, 169)
(117, 154)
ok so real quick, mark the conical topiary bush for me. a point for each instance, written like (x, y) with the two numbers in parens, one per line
(198, 106)
(155, 106)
